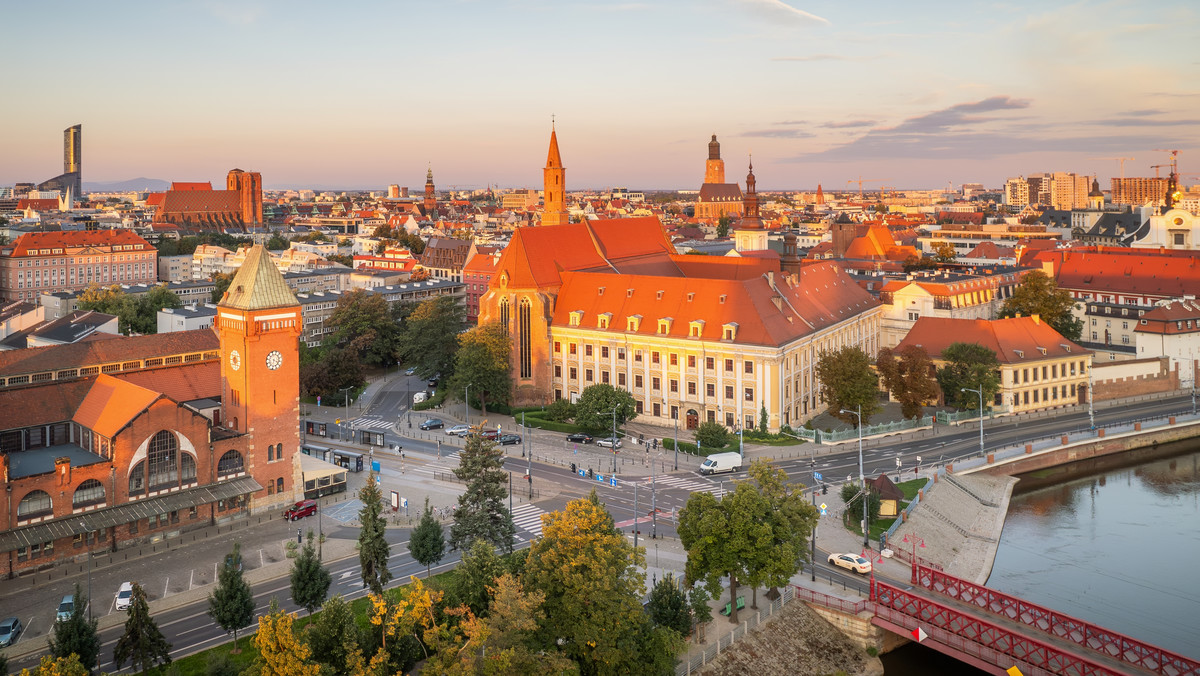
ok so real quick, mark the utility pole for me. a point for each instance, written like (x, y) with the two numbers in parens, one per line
(677, 441)
(980, 393)
(510, 547)
(653, 500)
(614, 438)
(635, 516)
(862, 478)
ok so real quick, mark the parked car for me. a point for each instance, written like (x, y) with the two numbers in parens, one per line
(10, 630)
(233, 562)
(609, 442)
(410, 371)
(579, 438)
(65, 608)
(509, 439)
(124, 596)
(300, 510)
(433, 381)
(459, 430)
(432, 424)
(852, 562)
(490, 435)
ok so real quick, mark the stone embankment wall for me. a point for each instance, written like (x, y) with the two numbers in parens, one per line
(795, 640)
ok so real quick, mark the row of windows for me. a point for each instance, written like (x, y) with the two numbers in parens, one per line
(1046, 372)
(655, 357)
(1046, 394)
(710, 389)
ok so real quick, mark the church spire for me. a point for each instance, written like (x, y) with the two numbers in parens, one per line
(554, 178)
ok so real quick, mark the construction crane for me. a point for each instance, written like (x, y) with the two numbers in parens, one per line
(1122, 160)
(860, 180)
(1156, 167)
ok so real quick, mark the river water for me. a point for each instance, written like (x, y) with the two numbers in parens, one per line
(1117, 546)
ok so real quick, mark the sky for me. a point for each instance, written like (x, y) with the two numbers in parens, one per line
(912, 94)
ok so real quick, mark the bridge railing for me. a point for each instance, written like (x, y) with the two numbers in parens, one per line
(977, 637)
(832, 602)
(1080, 632)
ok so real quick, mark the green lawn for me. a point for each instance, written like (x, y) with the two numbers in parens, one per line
(911, 487)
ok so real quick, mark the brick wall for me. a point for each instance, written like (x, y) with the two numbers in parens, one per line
(1134, 378)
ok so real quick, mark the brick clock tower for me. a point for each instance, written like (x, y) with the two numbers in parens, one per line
(259, 322)
(430, 194)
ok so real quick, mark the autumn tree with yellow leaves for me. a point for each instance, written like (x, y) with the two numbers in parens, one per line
(280, 652)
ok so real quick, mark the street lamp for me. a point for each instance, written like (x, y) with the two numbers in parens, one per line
(677, 440)
(467, 404)
(614, 437)
(862, 478)
(980, 393)
(89, 530)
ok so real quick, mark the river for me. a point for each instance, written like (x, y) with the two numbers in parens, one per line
(1115, 545)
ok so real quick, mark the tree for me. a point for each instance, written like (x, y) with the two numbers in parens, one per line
(711, 435)
(231, 605)
(968, 365)
(481, 513)
(910, 378)
(427, 544)
(475, 575)
(668, 606)
(142, 644)
(280, 653)
(511, 624)
(221, 281)
(943, 252)
(1038, 294)
(145, 319)
(590, 576)
(373, 550)
(76, 634)
(334, 636)
(138, 314)
(58, 666)
(277, 243)
(763, 419)
(594, 410)
(853, 497)
(791, 518)
(310, 579)
(724, 538)
(848, 382)
(698, 599)
(914, 263)
(430, 332)
(362, 324)
(482, 361)
(560, 410)
(723, 226)
(325, 372)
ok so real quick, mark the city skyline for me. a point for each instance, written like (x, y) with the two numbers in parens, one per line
(819, 92)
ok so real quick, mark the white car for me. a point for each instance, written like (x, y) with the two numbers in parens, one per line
(609, 442)
(124, 596)
(459, 430)
(852, 562)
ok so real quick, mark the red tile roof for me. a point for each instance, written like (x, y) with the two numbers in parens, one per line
(1014, 340)
(194, 185)
(181, 383)
(537, 255)
(821, 296)
(1131, 271)
(111, 403)
(53, 402)
(201, 201)
(30, 243)
(40, 204)
(76, 355)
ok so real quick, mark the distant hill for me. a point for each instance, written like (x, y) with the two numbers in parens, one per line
(130, 185)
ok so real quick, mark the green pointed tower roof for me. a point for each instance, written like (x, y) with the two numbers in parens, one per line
(258, 284)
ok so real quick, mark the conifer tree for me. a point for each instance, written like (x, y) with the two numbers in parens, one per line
(482, 513)
(427, 544)
(231, 605)
(142, 644)
(77, 634)
(310, 578)
(373, 550)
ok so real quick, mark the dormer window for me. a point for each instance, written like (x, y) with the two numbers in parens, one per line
(1065, 347)
(1020, 353)
(629, 293)
(691, 296)
(633, 322)
(603, 320)
(664, 325)
(576, 317)
(696, 328)
(659, 295)
(1042, 350)
(600, 291)
(721, 299)
(729, 331)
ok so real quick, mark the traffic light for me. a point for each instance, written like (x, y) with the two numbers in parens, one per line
(824, 489)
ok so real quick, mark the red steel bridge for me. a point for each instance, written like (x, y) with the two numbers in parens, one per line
(995, 631)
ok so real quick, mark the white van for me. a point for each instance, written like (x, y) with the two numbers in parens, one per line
(721, 462)
(419, 397)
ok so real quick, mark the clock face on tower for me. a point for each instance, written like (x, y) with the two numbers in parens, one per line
(274, 360)
(235, 360)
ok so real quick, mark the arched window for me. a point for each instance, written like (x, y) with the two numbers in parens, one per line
(35, 503)
(230, 463)
(90, 492)
(279, 485)
(137, 479)
(523, 318)
(187, 467)
(163, 461)
(504, 315)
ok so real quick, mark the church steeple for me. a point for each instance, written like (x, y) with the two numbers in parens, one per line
(750, 234)
(714, 167)
(430, 195)
(554, 178)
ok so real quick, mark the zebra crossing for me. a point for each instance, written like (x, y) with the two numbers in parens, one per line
(370, 423)
(687, 484)
(528, 517)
